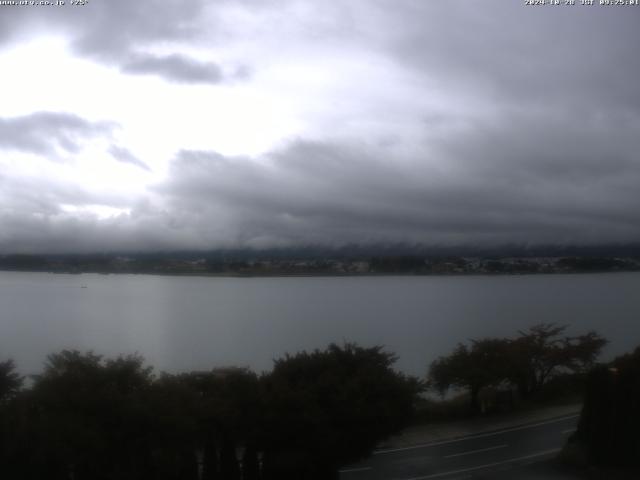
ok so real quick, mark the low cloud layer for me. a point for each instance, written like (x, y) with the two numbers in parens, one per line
(312, 193)
(498, 187)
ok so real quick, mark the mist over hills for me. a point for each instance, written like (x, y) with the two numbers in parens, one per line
(366, 251)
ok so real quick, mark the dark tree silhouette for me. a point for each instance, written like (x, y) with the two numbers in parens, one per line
(10, 381)
(528, 362)
(172, 408)
(86, 416)
(228, 413)
(473, 367)
(541, 352)
(10, 385)
(328, 408)
(610, 419)
(90, 418)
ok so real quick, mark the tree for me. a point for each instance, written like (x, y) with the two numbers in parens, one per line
(540, 353)
(610, 417)
(172, 407)
(88, 417)
(10, 381)
(528, 361)
(327, 408)
(228, 416)
(475, 367)
(10, 385)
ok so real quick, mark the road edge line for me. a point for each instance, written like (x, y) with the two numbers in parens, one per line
(487, 465)
(475, 435)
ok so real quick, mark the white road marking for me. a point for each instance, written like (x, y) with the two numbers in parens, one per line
(487, 465)
(359, 469)
(470, 452)
(472, 437)
(568, 431)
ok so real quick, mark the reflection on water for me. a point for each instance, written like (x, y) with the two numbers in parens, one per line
(186, 323)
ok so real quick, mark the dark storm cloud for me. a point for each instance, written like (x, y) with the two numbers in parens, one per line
(125, 156)
(176, 68)
(493, 184)
(47, 133)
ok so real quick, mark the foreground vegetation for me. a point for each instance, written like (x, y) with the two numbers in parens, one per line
(86, 417)
(543, 364)
(89, 417)
(607, 434)
(531, 364)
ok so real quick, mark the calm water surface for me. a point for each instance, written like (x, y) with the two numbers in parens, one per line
(186, 323)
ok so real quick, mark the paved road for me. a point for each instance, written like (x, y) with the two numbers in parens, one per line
(475, 456)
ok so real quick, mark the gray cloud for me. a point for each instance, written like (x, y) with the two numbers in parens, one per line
(123, 155)
(516, 55)
(570, 184)
(48, 133)
(72, 233)
(115, 32)
(137, 23)
(494, 184)
(176, 68)
(92, 28)
(531, 134)
(36, 215)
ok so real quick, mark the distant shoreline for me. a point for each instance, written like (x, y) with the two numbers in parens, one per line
(322, 275)
(247, 266)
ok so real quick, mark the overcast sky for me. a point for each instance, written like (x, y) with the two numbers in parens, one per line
(161, 124)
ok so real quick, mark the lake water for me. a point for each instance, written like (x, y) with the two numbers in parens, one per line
(187, 323)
